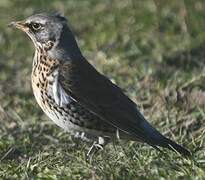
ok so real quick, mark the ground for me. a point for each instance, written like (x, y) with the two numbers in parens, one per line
(154, 50)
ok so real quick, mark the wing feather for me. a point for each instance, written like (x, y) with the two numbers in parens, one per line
(100, 96)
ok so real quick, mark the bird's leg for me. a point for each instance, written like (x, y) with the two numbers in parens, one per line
(96, 146)
(93, 150)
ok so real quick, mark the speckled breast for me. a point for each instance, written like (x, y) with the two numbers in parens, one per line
(72, 117)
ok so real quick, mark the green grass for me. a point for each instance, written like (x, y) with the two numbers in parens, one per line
(153, 49)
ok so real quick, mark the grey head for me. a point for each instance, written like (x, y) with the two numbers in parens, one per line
(50, 32)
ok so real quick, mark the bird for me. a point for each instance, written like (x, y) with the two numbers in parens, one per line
(77, 97)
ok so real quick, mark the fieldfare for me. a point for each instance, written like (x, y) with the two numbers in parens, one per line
(76, 96)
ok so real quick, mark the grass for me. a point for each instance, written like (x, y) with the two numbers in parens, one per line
(153, 49)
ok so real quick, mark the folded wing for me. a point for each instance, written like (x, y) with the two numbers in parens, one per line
(100, 96)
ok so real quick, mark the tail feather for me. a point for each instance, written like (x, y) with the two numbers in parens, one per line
(155, 138)
(169, 144)
(176, 147)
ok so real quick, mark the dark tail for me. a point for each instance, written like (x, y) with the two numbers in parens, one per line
(155, 139)
(175, 147)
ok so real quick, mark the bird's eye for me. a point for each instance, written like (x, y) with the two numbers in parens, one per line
(36, 26)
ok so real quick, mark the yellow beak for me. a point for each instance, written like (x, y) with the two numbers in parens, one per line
(19, 25)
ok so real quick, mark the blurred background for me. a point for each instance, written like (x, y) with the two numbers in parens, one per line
(153, 49)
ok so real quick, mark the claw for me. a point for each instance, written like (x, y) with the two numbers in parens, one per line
(93, 150)
(96, 146)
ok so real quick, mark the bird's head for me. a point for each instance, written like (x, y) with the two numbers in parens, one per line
(50, 32)
(44, 29)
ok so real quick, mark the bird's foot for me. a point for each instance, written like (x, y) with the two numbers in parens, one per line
(93, 150)
(96, 146)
